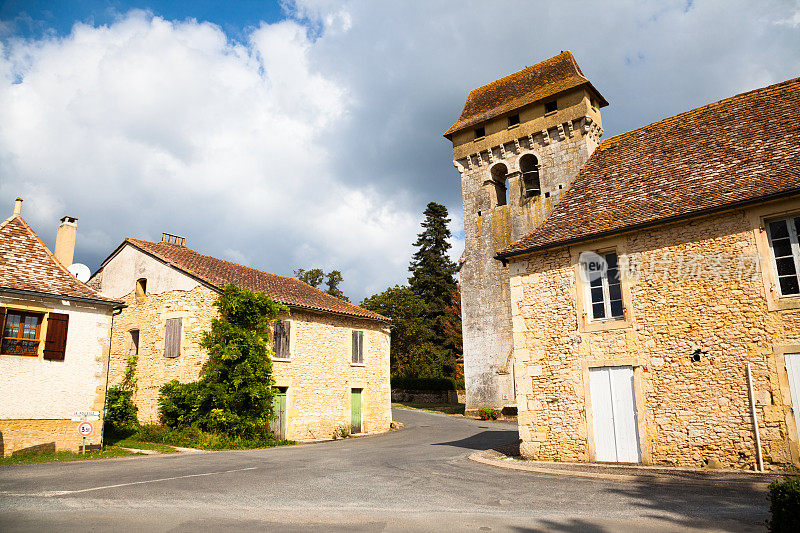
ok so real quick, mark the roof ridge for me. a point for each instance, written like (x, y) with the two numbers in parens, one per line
(604, 145)
(505, 78)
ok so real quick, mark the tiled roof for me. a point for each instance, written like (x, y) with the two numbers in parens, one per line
(737, 151)
(27, 265)
(218, 272)
(529, 85)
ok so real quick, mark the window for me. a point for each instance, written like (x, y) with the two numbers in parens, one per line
(499, 175)
(529, 166)
(480, 133)
(21, 333)
(172, 338)
(358, 347)
(141, 289)
(605, 289)
(280, 337)
(549, 107)
(134, 345)
(513, 120)
(783, 243)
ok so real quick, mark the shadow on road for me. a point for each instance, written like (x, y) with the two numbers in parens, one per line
(484, 440)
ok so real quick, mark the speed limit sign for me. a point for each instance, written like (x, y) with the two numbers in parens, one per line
(85, 429)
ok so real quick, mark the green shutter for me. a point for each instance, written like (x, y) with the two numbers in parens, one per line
(355, 410)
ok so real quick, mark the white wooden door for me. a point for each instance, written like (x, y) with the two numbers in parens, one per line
(793, 370)
(616, 433)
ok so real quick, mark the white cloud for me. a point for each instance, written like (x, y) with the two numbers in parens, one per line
(317, 141)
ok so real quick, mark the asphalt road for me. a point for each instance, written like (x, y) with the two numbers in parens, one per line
(415, 479)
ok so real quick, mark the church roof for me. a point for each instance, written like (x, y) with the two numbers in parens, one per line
(529, 85)
(218, 272)
(28, 266)
(738, 151)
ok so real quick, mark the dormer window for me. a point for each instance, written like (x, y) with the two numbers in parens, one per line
(480, 133)
(513, 120)
(550, 107)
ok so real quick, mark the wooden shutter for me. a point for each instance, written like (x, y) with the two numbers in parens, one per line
(172, 338)
(281, 338)
(358, 347)
(55, 345)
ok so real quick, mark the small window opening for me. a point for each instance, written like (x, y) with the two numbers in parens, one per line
(134, 347)
(499, 176)
(549, 107)
(529, 166)
(141, 289)
(480, 133)
(513, 120)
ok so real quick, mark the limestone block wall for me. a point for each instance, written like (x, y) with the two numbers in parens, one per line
(689, 294)
(38, 395)
(562, 143)
(319, 374)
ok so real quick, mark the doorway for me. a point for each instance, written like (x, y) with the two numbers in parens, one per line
(278, 424)
(355, 411)
(616, 432)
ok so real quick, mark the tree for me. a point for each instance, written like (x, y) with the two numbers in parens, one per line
(234, 394)
(433, 279)
(411, 334)
(334, 279)
(315, 277)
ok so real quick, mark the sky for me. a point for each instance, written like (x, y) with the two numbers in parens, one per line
(308, 133)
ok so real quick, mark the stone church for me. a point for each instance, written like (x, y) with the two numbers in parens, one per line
(637, 300)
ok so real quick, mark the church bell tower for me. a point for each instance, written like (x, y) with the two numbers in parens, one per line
(518, 144)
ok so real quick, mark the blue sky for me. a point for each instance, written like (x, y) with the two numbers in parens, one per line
(309, 133)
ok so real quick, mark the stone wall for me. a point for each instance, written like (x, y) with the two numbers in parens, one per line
(561, 142)
(689, 295)
(319, 374)
(36, 435)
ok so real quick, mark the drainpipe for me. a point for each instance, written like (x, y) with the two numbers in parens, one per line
(117, 310)
(760, 461)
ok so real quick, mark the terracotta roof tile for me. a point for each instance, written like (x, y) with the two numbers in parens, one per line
(27, 265)
(529, 85)
(739, 150)
(218, 272)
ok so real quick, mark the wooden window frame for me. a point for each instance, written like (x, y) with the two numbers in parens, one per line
(608, 315)
(38, 335)
(794, 243)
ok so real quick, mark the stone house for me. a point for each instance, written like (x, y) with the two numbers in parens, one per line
(331, 362)
(656, 310)
(55, 339)
(518, 144)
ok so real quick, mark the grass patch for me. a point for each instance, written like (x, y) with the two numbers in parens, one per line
(446, 408)
(139, 445)
(154, 434)
(63, 456)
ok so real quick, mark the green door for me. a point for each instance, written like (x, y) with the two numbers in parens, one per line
(355, 410)
(278, 424)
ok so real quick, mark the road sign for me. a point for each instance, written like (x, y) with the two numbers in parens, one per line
(85, 429)
(79, 416)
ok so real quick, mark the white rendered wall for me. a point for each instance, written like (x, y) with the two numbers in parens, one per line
(130, 264)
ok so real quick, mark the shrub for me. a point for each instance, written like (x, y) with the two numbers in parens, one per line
(487, 413)
(784, 505)
(179, 404)
(192, 437)
(423, 383)
(121, 412)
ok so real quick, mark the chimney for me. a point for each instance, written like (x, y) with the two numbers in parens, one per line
(65, 240)
(17, 206)
(173, 239)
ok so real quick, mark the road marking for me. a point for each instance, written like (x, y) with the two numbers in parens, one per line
(66, 492)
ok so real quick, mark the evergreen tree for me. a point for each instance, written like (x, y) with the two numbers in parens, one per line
(433, 280)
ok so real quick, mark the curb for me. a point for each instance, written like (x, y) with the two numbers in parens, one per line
(655, 474)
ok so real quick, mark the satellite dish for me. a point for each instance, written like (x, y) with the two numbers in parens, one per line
(80, 271)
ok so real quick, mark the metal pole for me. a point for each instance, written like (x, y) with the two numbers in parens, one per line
(755, 418)
(84, 445)
(114, 312)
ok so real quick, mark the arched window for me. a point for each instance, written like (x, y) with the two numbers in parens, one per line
(499, 176)
(141, 289)
(529, 166)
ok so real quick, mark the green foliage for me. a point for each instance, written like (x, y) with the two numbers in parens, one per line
(487, 413)
(424, 384)
(193, 437)
(63, 456)
(315, 277)
(129, 381)
(234, 395)
(784, 505)
(121, 412)
(341, 432)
